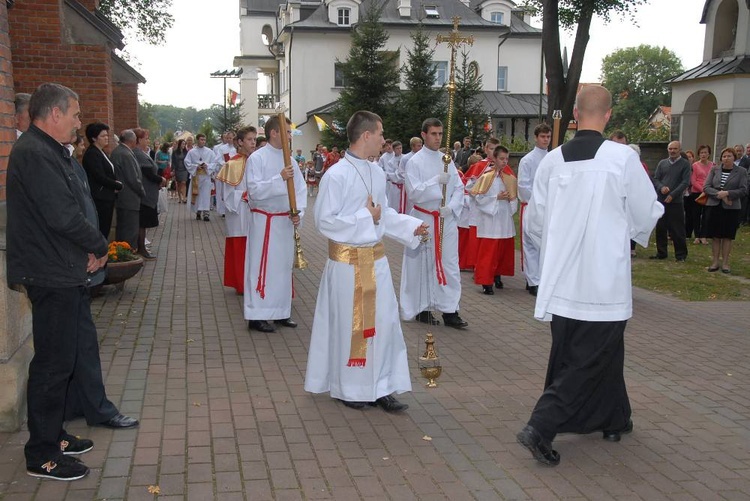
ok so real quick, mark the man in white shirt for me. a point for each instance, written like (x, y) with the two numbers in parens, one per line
(591, 196)
(386, 155)
(201, 163)
(526, 172)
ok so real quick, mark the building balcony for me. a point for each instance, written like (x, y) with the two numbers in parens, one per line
(267, 103)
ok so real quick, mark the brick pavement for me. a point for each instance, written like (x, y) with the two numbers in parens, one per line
(224, 415)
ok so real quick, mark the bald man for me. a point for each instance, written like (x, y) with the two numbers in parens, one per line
(671, 179)
(591, 196)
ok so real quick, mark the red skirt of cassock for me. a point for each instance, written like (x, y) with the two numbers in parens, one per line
(234, 263)
(495, 257)
(467, 247)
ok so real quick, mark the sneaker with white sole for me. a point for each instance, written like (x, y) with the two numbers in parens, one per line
(71, 445)
(62, 468)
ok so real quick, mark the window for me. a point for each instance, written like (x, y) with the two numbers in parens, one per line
(431, 11)
(441, 73)
(338, 75)
(502, 78)
(344, 17)
(496, 17)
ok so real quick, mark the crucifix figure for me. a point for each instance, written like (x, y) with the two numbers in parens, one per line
(454, 41)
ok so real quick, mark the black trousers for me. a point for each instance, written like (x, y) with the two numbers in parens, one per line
(105, 209)
(673, 221)
(128, 224)
(585, 386)
(65, 370)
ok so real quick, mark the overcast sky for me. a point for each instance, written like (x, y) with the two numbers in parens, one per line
(205, 38)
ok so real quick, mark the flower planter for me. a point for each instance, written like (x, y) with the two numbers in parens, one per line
(119, 272)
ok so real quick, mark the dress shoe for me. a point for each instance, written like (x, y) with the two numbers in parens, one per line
(353, 405)
(426, 317)
(540, 448)
(120, 422)
(487, 289)
(533, 289)
(198, 216)
(498, 283)
(389, 404)
(260, 325)
(614, 436)
(147, 255)
(206, 218)
(680, 259)
(453, 320)
(286, 322)
(657, 257)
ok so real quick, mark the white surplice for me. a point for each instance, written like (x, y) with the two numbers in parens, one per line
(237, 217)
(267, 191)
(420, 290)
(384, 159)
(495, 217)
(393, 180)
(526, 172)
(582, 216)
(223, 152)
(341, 215)
(193, 159)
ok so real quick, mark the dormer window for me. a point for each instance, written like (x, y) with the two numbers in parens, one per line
(431, 11)
(344, 17)
(497, 17)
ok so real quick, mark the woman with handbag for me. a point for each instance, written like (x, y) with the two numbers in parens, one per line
(725, 187)
(699, 172)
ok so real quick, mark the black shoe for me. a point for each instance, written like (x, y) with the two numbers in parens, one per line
(657, 256)
(498, 282)
(453, 320)
(528, 287)
(260, 325)
(614, 436)
(197, 216)
(353, 405)
(540, 448)
(680, 259)
(287, 322)
(206, 218)
(120, 422)
(487, 289)
(71, 445)
(389, 404)
(61, 468)
(426, 317)
(533, 289)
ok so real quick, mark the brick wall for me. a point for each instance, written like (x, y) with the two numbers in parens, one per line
(125, 100)
(39, 55)
(7, 96)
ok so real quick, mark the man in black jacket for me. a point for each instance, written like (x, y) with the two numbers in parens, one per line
(52, 252)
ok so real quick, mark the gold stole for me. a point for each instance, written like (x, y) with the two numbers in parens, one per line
(363, 317)
(485, 181)
(233, 172)
(200, 171)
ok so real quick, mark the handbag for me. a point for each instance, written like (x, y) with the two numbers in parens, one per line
(701, 199)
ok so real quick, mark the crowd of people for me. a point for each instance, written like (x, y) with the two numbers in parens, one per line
(581, 207)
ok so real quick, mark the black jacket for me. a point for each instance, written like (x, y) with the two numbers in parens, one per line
(101, 175)
(48, 235)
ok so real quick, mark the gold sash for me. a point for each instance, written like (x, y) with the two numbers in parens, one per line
(200, 171)
(483, 183)
(233, 172)
(363, 317)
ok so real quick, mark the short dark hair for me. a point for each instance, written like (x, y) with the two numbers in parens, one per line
(261, 139)
(245, 131)
(542, 128)
(22, 102)
(48, 96)
(728, 149)
(94, 129)
(274, 124)
(498, 149)
(200, 135)
(396, 144)
(361, 122)
(493, 140)
(433, 122)
(164, 147)
(704, 147)
(389, 141)
(180, 144)
(140, 133)
(618, 134)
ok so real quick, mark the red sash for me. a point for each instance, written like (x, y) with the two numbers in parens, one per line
(261, 287)
(438, 255)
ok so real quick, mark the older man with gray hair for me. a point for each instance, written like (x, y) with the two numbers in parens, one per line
(22, 113)
(671, 179)
(129, 198)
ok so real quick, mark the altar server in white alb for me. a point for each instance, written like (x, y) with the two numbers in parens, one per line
(224, 151)
(270, 242)
(395, 183)
(591, 196)
(201, 163)
(430, 279)
(357, 350)
(230, 189)
(526, 172)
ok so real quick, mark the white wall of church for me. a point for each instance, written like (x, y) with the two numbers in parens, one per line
(523, 58)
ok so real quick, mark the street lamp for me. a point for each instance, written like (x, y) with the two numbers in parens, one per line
(224, 74)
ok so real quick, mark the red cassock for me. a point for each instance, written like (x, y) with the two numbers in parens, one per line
(467, 237)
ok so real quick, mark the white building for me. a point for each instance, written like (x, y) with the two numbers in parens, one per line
(290, 48)
(710, 102)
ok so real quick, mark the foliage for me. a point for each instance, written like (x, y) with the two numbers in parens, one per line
(233, 119)
(642, 131)
(516, 144)
(371, 74)
(148, 19)
(207, 128)
(568, 14)
(421, 99)
(120, 252)
(468, 114)
(172, 118)
(147, 120)
(635, 76)
(168, 137)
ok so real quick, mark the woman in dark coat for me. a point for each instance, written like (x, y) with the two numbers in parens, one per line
(101, 175)
(179, 171)
(152, 183)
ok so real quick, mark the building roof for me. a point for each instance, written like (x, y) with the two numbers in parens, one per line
(708, 4)
(122, 72)
(731, 65)
(100, 22)
(265, 6)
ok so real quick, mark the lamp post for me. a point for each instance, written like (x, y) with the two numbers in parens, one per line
(224, 74)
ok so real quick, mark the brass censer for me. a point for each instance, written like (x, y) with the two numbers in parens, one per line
(429, 363)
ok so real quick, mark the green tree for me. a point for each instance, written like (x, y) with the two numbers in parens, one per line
(147, 120)
(148, 19)
(569, 14)
(635, 76)
(468, 114)
(371, 74)
(207, 128)
(233, 120)
(422, 98)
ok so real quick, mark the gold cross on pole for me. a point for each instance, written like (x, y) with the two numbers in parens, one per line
(455, 39)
